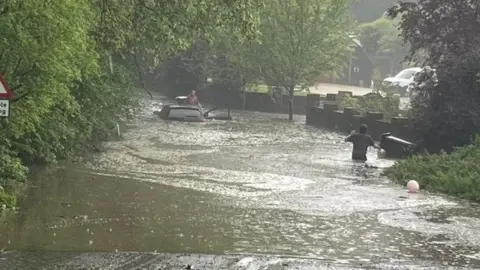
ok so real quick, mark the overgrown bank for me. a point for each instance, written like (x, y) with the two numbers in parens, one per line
(445, 107)
(456, 174)
(64, 93)
(72, 66)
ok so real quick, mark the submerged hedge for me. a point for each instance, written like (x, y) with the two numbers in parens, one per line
(456, 174)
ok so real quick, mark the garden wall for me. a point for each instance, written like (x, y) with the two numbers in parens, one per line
(327, 114)
(252, 101)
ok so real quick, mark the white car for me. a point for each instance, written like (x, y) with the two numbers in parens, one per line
(403, 79)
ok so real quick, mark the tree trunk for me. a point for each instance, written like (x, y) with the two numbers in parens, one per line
(140, 74)
(290, 103)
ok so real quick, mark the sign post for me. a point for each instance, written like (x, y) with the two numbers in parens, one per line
(5, 96)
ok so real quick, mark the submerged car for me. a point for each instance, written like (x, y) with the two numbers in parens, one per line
(181, 113)
(400, 82)
(188, 113)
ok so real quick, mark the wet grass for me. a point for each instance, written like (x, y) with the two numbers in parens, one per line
(456, 174)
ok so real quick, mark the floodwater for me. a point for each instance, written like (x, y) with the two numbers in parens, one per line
(258, 185)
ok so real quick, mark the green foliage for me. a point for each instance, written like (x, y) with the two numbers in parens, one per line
(7, 201)
(369, 10)
(388, 104)
(299, 41)
(455, 174)
(448, 115)
(383, 44)
(69, 64)
(11, 169)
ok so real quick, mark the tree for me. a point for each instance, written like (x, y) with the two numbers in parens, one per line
(155, 30)
(448, 32)
(300, 40)
(382, 42)
(69, 65)
(222, 61)
(369, 10)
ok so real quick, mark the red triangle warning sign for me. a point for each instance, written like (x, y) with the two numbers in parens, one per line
(4, 90)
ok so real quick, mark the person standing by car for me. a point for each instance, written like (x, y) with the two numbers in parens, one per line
(361, 141)
(192, 98)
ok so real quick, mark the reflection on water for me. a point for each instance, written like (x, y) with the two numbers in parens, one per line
(99, 213)
(259, 184)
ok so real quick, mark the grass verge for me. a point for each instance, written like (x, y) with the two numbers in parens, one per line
(456, 174)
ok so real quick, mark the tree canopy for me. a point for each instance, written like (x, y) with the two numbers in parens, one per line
(448, 32)
(299, 41)
(69, 64)
(369, 10)
(382, 42)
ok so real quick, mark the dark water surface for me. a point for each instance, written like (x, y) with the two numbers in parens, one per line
(256, 185)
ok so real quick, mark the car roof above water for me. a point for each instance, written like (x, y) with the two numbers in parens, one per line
(188, 107)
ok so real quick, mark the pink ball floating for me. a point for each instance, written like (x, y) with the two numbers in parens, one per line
(413, 186)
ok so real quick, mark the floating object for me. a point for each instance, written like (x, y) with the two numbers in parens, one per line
(396, 147)
(413, 186)
(381, 153)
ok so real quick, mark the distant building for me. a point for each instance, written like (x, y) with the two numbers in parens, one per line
(358, 71)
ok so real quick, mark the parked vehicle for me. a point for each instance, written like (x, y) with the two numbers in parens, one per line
(421, 81)
(400, 82)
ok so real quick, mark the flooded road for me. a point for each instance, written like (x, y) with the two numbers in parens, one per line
(259, 185)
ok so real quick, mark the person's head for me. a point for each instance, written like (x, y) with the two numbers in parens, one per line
(363, 129)
(192, 92)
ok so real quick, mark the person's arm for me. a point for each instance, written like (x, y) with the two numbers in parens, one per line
(373, 144)
(350, 137)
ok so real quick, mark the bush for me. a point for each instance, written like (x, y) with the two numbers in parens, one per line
(7, 201)
(448, 114)
(456, 174)
(12, 170)
(388, 105)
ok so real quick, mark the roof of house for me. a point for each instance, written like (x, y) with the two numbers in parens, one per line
(356, 42)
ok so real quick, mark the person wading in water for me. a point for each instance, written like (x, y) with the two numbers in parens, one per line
(361, 141)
